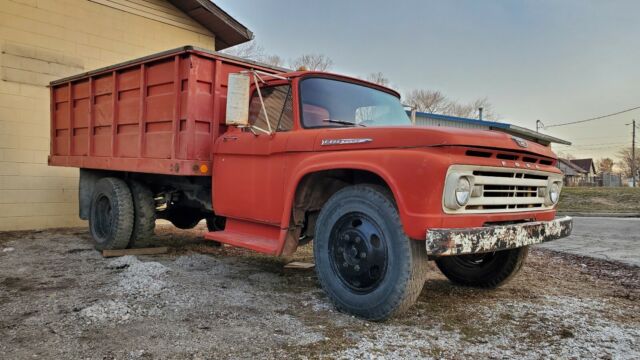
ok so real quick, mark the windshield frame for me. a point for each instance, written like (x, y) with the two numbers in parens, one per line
(341, 79)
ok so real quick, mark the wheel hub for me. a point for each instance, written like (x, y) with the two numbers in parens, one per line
(103, 217)
(358, 252)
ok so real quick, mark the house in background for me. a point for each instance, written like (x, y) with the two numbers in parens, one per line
(587, 165)
(45, 40)
(574, 175)
(582, 172)
(591, 178)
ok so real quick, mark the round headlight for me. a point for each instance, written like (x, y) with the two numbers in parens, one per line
(463, 191)
(554, 193)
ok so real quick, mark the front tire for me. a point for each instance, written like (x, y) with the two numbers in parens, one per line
(364, 261)
(111, 214)
(488, 270)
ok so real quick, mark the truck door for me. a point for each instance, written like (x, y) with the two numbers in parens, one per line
(249, 164)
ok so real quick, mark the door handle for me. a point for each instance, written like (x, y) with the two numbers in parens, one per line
(229, 138)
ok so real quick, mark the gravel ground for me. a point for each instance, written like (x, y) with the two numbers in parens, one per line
(60, 299)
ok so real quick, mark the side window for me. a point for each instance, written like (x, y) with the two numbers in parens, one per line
(278, 103)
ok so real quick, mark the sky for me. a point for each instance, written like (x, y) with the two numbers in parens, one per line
(554, 60)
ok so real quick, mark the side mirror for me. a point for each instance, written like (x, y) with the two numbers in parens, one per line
(238, 99)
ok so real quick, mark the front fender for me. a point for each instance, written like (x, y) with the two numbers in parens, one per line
(414, 176)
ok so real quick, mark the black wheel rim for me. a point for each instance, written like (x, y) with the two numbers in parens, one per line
(358, 252)
(475, 261)
(103, 217)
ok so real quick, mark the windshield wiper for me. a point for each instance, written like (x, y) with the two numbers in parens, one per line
(343, 122)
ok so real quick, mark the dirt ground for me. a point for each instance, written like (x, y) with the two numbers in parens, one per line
(60, 299)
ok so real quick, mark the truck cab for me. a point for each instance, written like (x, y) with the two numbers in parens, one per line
(305, 156)
(337, 160)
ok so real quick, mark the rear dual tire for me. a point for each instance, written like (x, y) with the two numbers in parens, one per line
(111, 214)
(144, 222)
(121, 215)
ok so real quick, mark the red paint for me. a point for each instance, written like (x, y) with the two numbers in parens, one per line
(157, 115)
(166, 115)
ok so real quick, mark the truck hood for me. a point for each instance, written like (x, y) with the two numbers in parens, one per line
(416, 136)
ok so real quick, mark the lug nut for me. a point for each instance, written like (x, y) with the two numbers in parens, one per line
(363, 255)
(357, 239)
(345, 237)
(356, 268)
(344, 264)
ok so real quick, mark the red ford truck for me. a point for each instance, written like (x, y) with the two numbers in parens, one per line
(274, 159)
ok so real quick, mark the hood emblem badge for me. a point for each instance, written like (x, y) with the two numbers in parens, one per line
(326, 142)
(521, 142)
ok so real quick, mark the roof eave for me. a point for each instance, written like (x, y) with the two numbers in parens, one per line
(227, 30)
(547, 139)
(504, 127)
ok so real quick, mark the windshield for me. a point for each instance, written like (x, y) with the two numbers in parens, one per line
(334, 103)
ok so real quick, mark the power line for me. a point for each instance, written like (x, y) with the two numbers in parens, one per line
(583, 145)
(596, 137)
(594, 118)
(633, 153)
(601, 148)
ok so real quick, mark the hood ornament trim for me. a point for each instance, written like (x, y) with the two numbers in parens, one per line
(353, 141)
(521, 142)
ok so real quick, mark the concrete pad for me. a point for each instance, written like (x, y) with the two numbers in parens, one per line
(615, 239)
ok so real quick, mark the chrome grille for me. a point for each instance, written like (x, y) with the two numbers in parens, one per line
(498, 190)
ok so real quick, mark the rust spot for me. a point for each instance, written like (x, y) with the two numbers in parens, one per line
(446, 242)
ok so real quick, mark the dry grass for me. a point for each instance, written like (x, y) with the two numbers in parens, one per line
(600, 199)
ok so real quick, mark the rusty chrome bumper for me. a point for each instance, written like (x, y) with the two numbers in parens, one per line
(447, 242)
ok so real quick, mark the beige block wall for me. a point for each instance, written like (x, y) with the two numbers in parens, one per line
(42, 40)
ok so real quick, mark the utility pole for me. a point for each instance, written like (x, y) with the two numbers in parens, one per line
(633, 153)
(539, 124)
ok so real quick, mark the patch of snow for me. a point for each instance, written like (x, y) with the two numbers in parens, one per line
(139, 278)
(107, 311)
(555, 327)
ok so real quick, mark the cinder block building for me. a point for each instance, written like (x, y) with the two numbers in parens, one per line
(43, 40)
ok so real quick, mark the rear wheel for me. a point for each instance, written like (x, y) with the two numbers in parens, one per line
(364, 261)
(111, 214)
(488, 270)
(144, 221)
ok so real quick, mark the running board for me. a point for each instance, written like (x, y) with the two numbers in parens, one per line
(249, 235)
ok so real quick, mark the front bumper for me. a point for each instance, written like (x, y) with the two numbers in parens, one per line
(447, 242)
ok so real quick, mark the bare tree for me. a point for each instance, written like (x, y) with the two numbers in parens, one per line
(274, 60)
(487, 108)
(604, 165)
(427, 101)
(378, 78)
(250, 50)
(471, 110)
(626, 160)
(315, 62)
(565, 155)
(435, 102)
